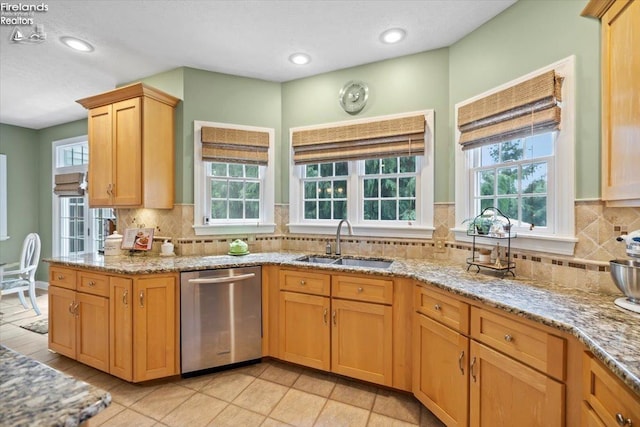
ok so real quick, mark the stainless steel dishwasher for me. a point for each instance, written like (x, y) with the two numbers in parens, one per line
(220, 317)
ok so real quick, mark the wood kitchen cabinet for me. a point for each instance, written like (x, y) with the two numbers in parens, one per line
(304, 330)
(473, 366)
(144, 332)
(78, 321)
(362, 328)
(131, 147)
(124, 325)
(506, 392)
(607, 401)
(332, 322)
(620, 35)
(440, 365)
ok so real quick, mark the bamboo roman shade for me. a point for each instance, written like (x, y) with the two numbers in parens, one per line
(525, 109)
(69, 184)
(384, 138)
(235, 146)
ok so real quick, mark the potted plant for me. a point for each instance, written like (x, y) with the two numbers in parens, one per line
(480, 224)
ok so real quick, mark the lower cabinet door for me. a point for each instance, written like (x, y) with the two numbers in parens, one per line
(362, 340)
(155, 341)
(62, 321)
(304, 330)
(121, 327)
(505, 392)
(440, 370)
(92, 331)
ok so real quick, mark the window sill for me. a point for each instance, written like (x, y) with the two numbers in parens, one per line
(561, 245)
(227, 229)
(360, 230)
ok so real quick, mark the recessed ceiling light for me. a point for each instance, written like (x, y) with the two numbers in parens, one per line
(300, 58)
(77, 44)
(393, 35)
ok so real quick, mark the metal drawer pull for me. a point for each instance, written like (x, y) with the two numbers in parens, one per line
(508, 338)
(141, 298)
(437, 307)
(124, 296)
(334, 317)
(60, 277)
(473, 375)
(302, 283)
(324, 315)
(91, 283)
(460, 362)
(622, 421)
(360, 290)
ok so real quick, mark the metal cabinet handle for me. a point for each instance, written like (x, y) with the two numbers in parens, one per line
(360, 290)
(460, 362)
(473, 375)
(91, 283)
(109, 189)
(324, 315)
(302, 283)
(71, 307)
(334, 317)
(437, 307)
(141, 298)
(622, 421)
(508, 338)
(124, 296)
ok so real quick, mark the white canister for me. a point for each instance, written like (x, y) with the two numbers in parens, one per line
(112, 244)
(166, 248)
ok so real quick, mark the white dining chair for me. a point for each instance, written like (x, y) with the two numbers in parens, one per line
(24, 277)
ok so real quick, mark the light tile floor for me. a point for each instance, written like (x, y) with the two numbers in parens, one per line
(270, 393)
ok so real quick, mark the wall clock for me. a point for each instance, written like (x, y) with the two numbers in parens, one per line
(353, 96)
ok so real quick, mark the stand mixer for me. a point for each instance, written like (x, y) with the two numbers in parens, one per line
(626, 273)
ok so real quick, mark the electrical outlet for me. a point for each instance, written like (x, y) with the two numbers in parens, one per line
(439, 246)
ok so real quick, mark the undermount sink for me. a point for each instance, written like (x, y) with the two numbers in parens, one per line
(353, 262)
(317, 259)
(357, 262)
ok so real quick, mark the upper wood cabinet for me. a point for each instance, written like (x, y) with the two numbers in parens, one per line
(620, 99)
(131, 148)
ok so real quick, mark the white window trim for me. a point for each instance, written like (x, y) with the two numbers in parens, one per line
(421, 228)
(55, 232)
(562, 239)
(267, 197)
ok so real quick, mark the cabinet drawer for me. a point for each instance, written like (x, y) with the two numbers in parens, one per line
(528, 344)
(363, 289)
(305, 282)
(92, 283)
(607, 395)
(446, 310)
(62, 277)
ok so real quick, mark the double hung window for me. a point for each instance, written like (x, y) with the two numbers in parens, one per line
(382, 185)
(233, 179)
(517, 154)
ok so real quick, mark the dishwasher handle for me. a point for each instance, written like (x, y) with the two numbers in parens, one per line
(227, 279)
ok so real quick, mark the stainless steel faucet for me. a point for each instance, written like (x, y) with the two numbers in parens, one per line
(342, 221)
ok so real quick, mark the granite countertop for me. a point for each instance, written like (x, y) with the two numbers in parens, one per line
(33, 394)
(609, 332)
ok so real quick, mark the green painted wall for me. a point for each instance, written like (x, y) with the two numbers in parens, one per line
(527, 36)
(410, 83)
(227, 99)
(23, 174)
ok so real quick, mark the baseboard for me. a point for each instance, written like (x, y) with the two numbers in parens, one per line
(42, 285)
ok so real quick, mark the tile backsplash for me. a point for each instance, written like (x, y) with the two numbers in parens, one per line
(597, 227)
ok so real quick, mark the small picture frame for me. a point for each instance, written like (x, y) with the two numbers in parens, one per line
(137, 239)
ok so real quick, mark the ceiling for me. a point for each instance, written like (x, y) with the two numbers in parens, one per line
(40, 81)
